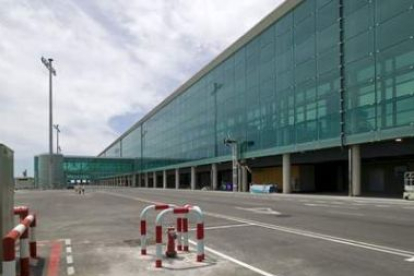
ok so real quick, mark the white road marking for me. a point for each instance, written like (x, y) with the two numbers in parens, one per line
(222, 227)
(261, 210)
(233, 260)
(346, 213)
(305, 233)
(316, 205)
(411, 260)
(68, 250)
(67, 241)
(71, 270)
(359, 244)
(69, 259)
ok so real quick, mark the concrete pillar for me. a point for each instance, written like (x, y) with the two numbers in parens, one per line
(214, 177)
(6, 193)
(154, 179)
(286, 174)
(139, 180)
(146, 180)
(244, 183)
(164, 179)
(193, 178)
(177, 178)
(355, 170)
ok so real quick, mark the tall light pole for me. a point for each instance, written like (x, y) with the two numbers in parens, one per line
(57, 138)
(52, 71)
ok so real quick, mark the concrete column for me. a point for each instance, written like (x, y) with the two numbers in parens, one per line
(146, 180)
(214, 177)
(177, 178)
(193, 178)
(286, 174)
(139, 180)
(134, 180)
(164, 179)
(355, 170)
(154, 179)
(244, 183)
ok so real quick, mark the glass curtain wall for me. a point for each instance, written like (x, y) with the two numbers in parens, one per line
(282, 90)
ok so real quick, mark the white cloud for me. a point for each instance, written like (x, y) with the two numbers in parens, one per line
(112, 58)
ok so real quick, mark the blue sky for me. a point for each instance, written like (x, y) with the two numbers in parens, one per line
(115, 61)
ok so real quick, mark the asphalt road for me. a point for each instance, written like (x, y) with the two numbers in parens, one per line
(256, 235)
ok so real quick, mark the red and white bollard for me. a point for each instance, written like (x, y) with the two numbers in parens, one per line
(9, 251)
(21, 211)
(185, 233)
(178, 211)
(32, 237)
(179, 234)
(143, 223)
(171, 236)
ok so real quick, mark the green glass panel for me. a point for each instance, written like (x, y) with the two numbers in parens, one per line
(359, 46)
(396, 30)
(329, 60)
(304, 11)
(359, 21)
(305, 51)
(386, 10)
(396, 58)
(328, 38)
(351, 6)
(304, 30)
(328, 15)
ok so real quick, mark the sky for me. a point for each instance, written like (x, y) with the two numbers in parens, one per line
(115, 61)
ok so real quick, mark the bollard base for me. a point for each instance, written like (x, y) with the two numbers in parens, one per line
(200, 258)
(158, 263)
(171, 254)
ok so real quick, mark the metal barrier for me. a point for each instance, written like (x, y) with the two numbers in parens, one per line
(21, 231)
(180, 211)
(23, 212)
(143, 224)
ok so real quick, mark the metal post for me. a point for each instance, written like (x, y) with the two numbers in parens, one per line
(57, 138)
(164, 179)
(154, 180)
(177, 178)
(355, 170)
(193, 178)
(235, 167)
(52, 71)
(214, 179)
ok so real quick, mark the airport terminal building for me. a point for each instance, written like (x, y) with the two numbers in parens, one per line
(317, 97)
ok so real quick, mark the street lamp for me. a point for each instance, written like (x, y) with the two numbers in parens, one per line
(52, 71)
(234, 148)
(57, 138)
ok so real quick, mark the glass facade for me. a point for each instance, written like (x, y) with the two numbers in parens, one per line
(282, 91)
(90, 168)
(379, 67)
